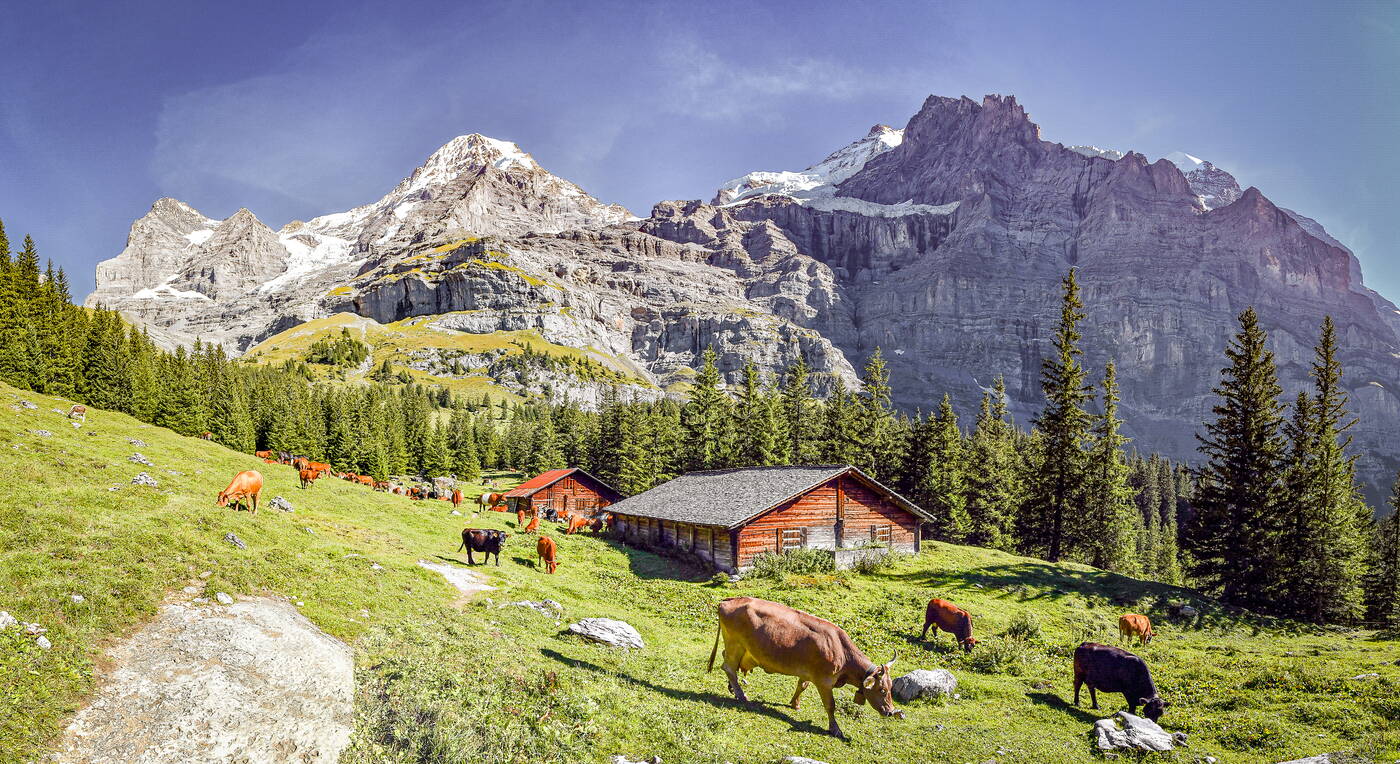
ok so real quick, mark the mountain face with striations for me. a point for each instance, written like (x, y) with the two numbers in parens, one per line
(942, 242)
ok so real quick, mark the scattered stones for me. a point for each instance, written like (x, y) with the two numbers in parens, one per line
(190, 590)
(56, 411)
(235, 540)
(43, 642)
(7, 620)
(801, 760)
(115, 488)
(1136, 734)
(77, 599)
(43, 433)
(620, 759)
(280, 503)
(143, 478)
(1325, 758)
(136, 442)
(455, 512)
(27, 405)
(609, 631)
(1367, 676)
(34, 629)
(200, 600)
(206, 574)
(548, 608)
(139, 459)
(309, 531)
(77, 425)
(375, 566)
(223, 598)
(924, 683)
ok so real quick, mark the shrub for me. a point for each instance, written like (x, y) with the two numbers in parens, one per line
(876, 563)
(796, 562)
(1025, 625)
(1002, 656)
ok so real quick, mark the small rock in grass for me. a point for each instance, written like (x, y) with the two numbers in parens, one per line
(144, 479)
(206, 574)
(235, 540)
(56, 411)
(1367, 676)
(455, 512)
(364, 613)
(308, 530)
(137, 458)
(609, 631)
(91, 434)
(223, 598)
(190, 590)
(300, 603)
(43, 433)
(1325, 758)
(43, 642)
(136, 442)
(7, 620)
(33, 629)
(27, 405)
(77, 425)
(200, 600)
(548, 608)
(280, 503)
(1136, 733)
(801, 760)
(924, 683)
(115, 488)
(77, 599)
(375, 566)
(620, 759)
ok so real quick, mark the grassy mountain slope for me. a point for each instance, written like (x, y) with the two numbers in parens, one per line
(410, 343)
(443, 680)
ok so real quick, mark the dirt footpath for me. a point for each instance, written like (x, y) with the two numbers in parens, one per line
(250, 682)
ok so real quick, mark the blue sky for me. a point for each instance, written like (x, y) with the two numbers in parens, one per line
(298, 109)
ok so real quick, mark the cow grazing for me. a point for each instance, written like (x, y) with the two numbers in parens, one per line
(79, 411)
(534, 524)
(246, 485)
(545, 550)
(300, 463)
(382, 485)
(263, 454)
(1133, 625)
(577, 523)
(520, 517)
(601, 522)
(942, 614)
(308, 476)
(781, 640)
(1113, 669)
(483, 540)
(206, 435)
(365, 480)
(321, 467)
(269, 461)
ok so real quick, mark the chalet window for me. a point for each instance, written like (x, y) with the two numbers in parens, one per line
(881, 534)
(791, 538)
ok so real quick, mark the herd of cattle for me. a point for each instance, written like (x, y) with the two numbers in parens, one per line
(762, 634)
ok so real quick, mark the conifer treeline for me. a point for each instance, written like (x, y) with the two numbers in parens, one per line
(1272, 521)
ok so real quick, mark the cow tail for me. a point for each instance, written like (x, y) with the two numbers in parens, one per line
(719, 626)
(464, 543)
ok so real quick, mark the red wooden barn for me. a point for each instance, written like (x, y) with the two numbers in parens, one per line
(572, 489)
(728, 517)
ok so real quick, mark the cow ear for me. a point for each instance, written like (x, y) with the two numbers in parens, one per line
(1142, 701)
(869, 681)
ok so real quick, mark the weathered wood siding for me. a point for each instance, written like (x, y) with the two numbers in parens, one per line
(570, 493)
(816, 513)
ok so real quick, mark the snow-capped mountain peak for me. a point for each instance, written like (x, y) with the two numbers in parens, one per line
(819, 180)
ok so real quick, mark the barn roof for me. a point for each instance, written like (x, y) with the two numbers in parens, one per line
(547, 479)
(728, 498)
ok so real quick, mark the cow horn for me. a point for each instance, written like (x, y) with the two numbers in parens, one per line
(892, 660)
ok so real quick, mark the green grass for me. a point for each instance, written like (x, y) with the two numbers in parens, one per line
(488, 683)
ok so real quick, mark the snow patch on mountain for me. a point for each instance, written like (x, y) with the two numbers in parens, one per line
(874, 209)
(199, 237)
(1095, 151)
(1185, 162)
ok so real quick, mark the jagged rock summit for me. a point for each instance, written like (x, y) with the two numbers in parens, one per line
(942, 242)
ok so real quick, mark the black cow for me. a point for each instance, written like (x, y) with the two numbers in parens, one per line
(482, 540)
(285, 457)
(1113, 669)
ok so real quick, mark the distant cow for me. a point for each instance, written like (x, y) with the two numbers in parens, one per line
(781, 640)
(545, 550)
(942, 614)
(206, 435)
(1113, 669)
(1133, 625)
(578, 523)
(490, 500)
(382, 485)
(601, 522)
(79, 411)
(308, 476)
(246, 485)
(284, 457)
(534, 523)
(263, 454)
(365, 480)
(483, 540)
(456, 497)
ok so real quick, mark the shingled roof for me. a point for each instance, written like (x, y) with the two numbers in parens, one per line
(546, 479)
(727, 498)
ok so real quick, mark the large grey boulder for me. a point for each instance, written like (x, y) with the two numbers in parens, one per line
(924, 683)
(609, 631)
(1124, 731)
(281, 504)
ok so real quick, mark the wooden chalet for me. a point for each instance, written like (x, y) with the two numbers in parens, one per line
(572, 489)
(729, 517)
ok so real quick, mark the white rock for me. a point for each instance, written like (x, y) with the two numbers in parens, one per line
(7, 620)
(77, 598)
(455, 512)
(27, 405)
(144, 479)
(137, 458)
(608, 631)
(924, 683)
(1325, 758)
(1367, 676)
(1187, 611)
(801, 760)
(1136, 733)
(43, 642)
(77, 425)
(280, 503)
(136, 442)
(223, 598)
(206, 574)
(43, 433)
(548, 608)
(620, 759)
(375, 566)
(235, 540)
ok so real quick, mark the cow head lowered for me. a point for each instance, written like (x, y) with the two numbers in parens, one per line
(1154, 707)
(875, 688)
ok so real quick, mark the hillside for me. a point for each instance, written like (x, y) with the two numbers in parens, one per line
(440, 680)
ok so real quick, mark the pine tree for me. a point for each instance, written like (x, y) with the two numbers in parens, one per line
(993, 482)
(877, 432)
(1109, 516)
(1063, 425)
(938, 485)
(798, 412)
(1239, 496)
(437, 454)
(1383, 581)
(543, 453)
(1168, 568)
(706, 420)
(758, 438)
(840, 442)
(1323, 550)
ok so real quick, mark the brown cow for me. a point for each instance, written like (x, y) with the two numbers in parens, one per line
(490, 500)
(944, 615)
(246, 485)
(781, 640)
(545, 550)
(269, 461)
(206, 435)
(79, 411)
(601, 522)
(1133, 625)
(382, 485)
(308, 476)
(519, 517)
(263, 454)
(300, 463)
(456, 497)
(578, 522)
(365, 480)
(534, 523)
(319, 467)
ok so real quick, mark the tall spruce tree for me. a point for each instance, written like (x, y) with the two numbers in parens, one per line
(798, 412)
(878, 434)
(938, 484)
(1383, 580)
(1109, 518)
(993, 484)
(706, 420)
(759, 441)
(1064, 427)
(1239, 498)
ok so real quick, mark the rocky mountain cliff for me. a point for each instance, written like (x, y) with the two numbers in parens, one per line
(942, 242)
